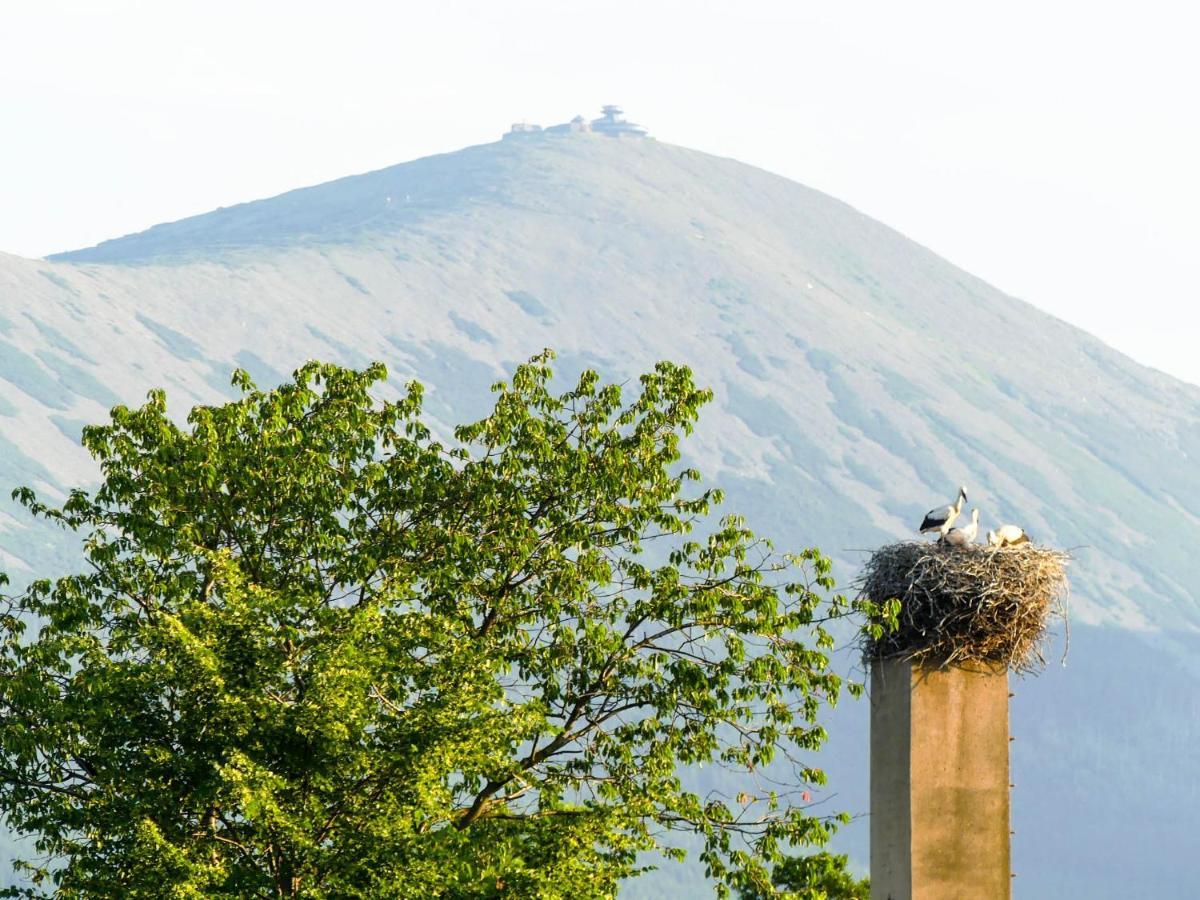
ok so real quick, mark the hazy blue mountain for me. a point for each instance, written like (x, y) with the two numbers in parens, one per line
(859, 377)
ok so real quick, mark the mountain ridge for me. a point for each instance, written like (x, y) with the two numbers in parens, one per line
(526, 178)
(859, 378)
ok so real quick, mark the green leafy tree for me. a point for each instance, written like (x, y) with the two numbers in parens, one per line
(819, 876)
(315, 652)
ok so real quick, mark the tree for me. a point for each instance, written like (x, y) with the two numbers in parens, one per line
(819, 876)
(317, 653)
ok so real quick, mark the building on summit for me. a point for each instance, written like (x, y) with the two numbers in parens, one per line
(577, 125)
(611, 123)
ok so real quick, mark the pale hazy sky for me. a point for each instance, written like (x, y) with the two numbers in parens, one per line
(1051, 148)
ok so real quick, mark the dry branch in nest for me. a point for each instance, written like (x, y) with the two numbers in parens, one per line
(966, 604)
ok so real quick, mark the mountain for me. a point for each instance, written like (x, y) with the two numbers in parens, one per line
(859, 379)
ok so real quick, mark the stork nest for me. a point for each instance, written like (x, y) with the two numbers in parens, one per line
(961, 605)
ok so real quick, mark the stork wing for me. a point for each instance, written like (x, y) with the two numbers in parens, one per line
(935, 519)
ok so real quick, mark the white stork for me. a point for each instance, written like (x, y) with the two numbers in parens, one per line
(943, 517)
(965, 536)
(1007, 536)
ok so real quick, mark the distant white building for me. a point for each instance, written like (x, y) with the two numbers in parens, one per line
(577, 125)
(523, 128)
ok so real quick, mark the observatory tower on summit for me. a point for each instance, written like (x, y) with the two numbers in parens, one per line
(613, 124)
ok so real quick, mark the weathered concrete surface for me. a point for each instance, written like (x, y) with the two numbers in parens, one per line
(939, 783)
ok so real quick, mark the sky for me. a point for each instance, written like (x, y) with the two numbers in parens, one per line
(1049, 148)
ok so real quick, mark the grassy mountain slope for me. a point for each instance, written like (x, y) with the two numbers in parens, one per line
(859, 379)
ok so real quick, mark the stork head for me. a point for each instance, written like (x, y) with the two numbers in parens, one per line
(975, 515)
(962, 494)
(993, 539)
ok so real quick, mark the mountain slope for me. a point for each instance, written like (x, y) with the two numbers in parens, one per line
(784, 294)
(860, 378)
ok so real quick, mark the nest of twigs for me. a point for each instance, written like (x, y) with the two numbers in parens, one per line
(963, 605)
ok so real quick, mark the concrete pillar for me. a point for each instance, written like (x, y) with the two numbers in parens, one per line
(939, 783)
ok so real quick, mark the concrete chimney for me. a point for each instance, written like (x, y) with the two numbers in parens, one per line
(939, 782)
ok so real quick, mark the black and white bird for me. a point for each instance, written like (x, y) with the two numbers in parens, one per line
(943, 517)
(1007, 536)
(965, 536)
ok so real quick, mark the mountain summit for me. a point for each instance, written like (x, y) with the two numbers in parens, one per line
(378, 201)
(860, 379)
(864, 373)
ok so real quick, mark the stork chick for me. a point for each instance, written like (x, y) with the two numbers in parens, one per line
(1007, 536)
(965, 536)
(941, 518)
